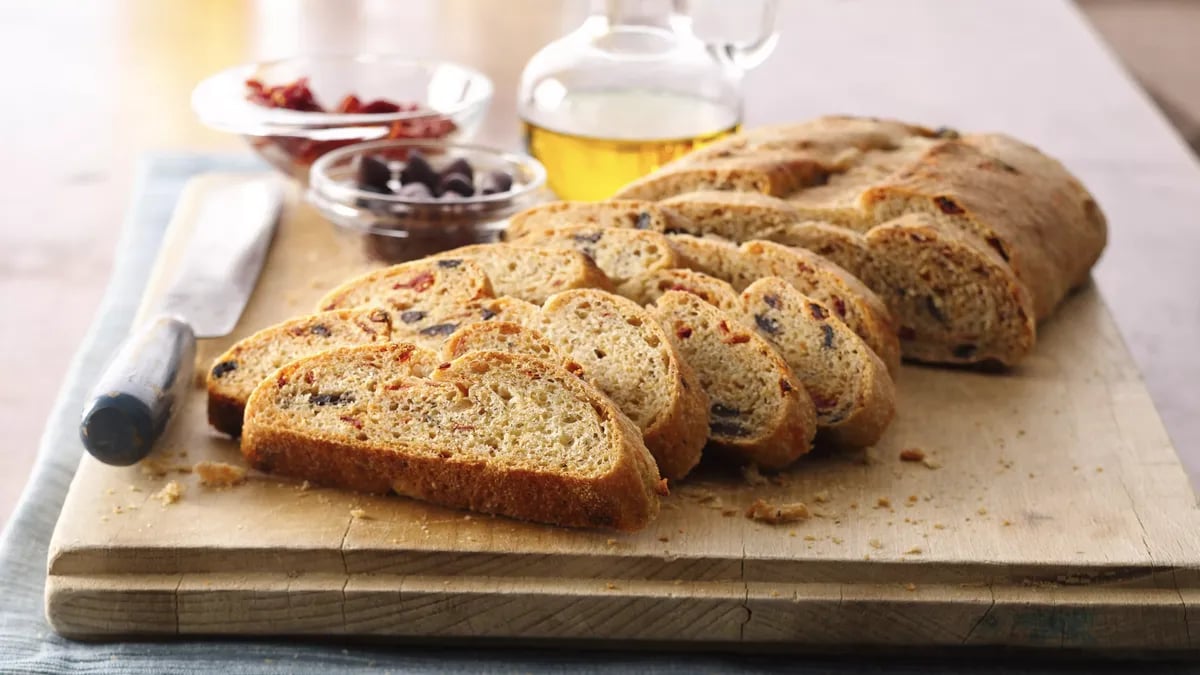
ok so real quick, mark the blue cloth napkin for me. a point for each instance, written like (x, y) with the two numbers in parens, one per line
(27, 644)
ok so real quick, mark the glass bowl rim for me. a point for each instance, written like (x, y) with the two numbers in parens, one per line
(267, 121)
(326, 188)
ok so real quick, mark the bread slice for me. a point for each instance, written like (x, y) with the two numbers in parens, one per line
(621, 253)
(429, 329)
(850, 299)
(737, 216)
(630, 358)
(759, 412)
(510, 338)
(776, 173)
(646, 288)
(619, 213)
(236, 373)
(418, 284)
(507, 434)
(848, 383)
(530, 273)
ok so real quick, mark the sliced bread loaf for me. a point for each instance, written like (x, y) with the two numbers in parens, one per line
(850, 299)
(498, 433)
(418, 283)
(759, 412)
(531, 273)
(236, 373)
(622, 213)
(630, 358)
(853, 393)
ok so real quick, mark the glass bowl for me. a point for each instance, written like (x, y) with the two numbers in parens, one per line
(291, 140)
(394, 228)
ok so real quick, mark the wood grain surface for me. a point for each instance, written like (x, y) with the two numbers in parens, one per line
(1050, 511)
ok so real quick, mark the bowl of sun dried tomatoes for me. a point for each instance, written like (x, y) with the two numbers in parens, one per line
(292, 111)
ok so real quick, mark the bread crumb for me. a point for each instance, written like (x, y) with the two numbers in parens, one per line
(912, 499)
(854, 505)
(982, 511)
(883, 503)
(791, 533)
(931, 463)
(110, 491)
(611, 542)
(912, 455)
(359, 514)
(910, 587)
(304, 487)
(821, 497)
(774, 594)
(134, 488)
(729, 513)
(610, 586)
(837, 540)
(170, 493)
(219, 474)
(117, 509)
(159, 467)
(664, 539)
(753, 476)
(875, 543)
(916, 550)
(764, 512)
(1007, 523)
(809, 537)
(1099, 469)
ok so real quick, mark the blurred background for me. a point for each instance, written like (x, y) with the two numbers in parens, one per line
(90, 86)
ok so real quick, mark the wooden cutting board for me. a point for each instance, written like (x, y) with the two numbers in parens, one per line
(1051, 511)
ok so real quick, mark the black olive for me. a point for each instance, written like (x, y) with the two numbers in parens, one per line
(417, 170)
(457, 183)
(461, 167)
(371, 174)
(495, 182)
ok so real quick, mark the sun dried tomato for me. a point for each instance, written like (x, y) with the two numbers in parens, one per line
(298, 96)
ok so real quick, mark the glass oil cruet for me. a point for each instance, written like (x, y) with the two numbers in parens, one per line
(633, 88)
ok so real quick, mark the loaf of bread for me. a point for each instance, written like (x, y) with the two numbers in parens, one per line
(507, 434)
(759, 412)
(850, 386)
(968, 238)
(235, 374)
(850, 300)
(628, 356)
(532, 273)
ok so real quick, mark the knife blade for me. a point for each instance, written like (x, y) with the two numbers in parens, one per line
(130, 405)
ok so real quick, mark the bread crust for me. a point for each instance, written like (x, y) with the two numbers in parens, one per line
(625, 498)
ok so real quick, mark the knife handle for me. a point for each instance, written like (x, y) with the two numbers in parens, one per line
(130, 405)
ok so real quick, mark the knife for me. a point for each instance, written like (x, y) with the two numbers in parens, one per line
(130, 405)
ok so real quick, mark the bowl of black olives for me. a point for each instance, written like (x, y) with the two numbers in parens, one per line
(409, 198)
